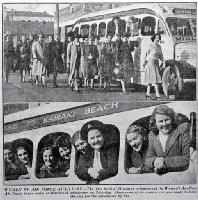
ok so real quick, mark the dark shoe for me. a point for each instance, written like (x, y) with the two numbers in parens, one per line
(71, 87)
(158, 98)
(148, 97)
(55, 85)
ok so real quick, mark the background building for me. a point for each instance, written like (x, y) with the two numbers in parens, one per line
(19, 23)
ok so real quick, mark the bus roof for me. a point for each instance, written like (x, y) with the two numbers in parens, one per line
(156, 9)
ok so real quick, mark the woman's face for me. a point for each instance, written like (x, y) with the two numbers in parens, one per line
(135, 140)
(64, 152)
(50, 39)
(95, 139)
(163, 123)
(23, 155)
(124, 39)
(157, 38)
(109, 38)
(80, 145)
(8, 155)
(48, 158)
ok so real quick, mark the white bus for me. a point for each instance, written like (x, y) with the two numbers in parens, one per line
(178, 40)
(66, 118)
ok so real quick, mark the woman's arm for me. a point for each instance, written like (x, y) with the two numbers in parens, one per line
(180, 163)
(112, 163)
(151, 154)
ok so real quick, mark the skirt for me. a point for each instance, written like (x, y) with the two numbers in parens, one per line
(152, 74)
(38, 68)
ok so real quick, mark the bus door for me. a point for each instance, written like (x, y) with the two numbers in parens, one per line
(166, 42)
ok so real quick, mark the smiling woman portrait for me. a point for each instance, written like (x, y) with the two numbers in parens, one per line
(169, 142)
(100, 160)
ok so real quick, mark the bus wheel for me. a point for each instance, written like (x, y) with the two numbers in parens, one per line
(172, 83)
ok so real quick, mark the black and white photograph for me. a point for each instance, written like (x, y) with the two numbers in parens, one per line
(100, 51)
(102, 143)
(99, 100)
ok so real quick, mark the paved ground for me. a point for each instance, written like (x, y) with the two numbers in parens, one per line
(15, 91)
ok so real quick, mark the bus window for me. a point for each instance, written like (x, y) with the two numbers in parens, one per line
(84, 30)
(111, 28)
(76, 30)
(148, 26)
(18, 159)
(133, 25)
(102, 140)
(161, 27)
(94, 30)
(53, 156)
(179, 27)
(102, 29)
(193, 26)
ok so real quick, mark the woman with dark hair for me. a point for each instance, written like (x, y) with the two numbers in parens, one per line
(108, 53)
(50, 169)
(136, 148)
(169, 142)
(24, 160)
(8, 56)
(100, 161)
(151, 65)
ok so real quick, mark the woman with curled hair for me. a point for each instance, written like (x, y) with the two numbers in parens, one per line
(100, 161)
(151, 65)
(136, 148)
(169, 142)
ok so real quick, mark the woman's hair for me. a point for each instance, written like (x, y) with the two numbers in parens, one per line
(154, 36)
(162, 110)
(94, 124)
(116, 18)
(75, 137)
(137, 129)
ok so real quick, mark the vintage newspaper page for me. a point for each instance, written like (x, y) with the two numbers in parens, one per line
(99, 100)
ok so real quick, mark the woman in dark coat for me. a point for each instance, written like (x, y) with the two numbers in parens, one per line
(58, 59)
(109, 61)
(8, 56)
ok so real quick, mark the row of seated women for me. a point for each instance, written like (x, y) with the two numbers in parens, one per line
(159, 143)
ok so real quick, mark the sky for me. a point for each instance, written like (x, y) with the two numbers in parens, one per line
(50, 8)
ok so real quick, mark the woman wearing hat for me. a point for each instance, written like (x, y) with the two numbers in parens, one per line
(100, 161)
(74, 62)
(169, 142)
(151, 65)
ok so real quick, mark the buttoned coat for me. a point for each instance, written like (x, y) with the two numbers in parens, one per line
(177, 151)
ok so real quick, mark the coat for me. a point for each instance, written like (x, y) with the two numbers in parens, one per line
(8, 56)
(38, 58)
(23, 54)
(177, 152)
(109, 161)
(72, 60)
(58, 62)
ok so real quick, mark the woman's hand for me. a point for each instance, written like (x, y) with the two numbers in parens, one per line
(134, 170)
(93, 173)
(159, 165)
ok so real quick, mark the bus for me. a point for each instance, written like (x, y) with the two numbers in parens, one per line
(178, 38)
(34, 125)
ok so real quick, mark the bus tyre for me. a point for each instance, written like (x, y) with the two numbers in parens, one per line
(172, 82)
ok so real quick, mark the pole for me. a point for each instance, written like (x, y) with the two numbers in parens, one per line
(57, 19)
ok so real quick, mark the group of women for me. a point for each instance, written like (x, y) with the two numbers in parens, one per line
(159, 144)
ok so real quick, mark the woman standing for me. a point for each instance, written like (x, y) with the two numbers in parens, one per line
(109, 61)
(151, 64)
(73, 62)
(8, 56)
